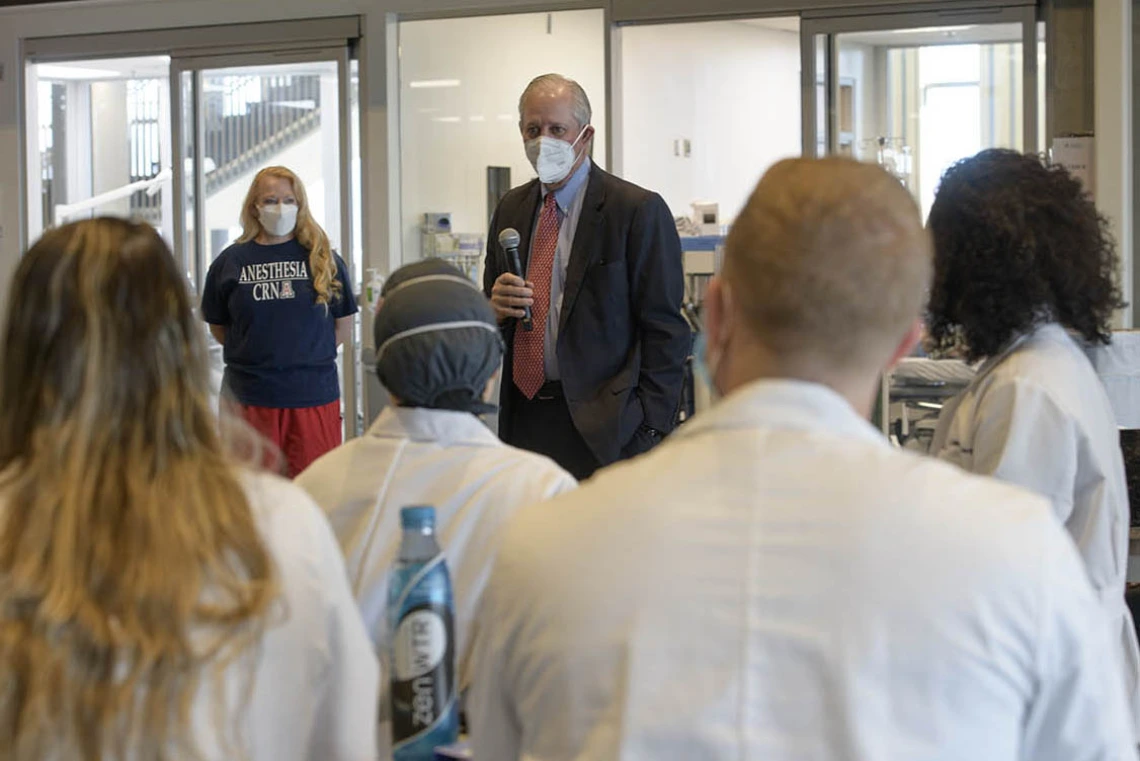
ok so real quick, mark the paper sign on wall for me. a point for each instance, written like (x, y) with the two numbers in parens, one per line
(1077, 154)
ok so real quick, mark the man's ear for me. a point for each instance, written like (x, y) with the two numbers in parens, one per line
(718, 313)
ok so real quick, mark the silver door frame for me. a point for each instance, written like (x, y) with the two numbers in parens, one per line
(828, 26)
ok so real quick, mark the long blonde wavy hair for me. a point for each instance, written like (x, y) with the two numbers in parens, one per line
(131, 566)
(322, 266)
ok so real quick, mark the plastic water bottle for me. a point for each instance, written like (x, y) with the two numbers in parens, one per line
(372, 289)
(421, 617)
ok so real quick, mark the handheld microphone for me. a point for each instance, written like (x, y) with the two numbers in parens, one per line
(509, 242)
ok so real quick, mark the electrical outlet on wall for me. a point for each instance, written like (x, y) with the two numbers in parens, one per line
(688, 148)
(676, 147)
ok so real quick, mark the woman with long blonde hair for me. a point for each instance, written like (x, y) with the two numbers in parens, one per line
(279, 301)
(156, 600)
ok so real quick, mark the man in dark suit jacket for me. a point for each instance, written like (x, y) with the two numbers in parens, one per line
(598, 376)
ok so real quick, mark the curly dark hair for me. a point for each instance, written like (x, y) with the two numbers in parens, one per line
(1016, 244)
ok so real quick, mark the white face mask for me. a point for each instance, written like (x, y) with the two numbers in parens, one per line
(279, 219)
(552, 158)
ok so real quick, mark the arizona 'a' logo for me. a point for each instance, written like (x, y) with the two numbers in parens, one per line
(287, 290)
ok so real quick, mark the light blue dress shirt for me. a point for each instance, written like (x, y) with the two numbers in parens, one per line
(568, 199)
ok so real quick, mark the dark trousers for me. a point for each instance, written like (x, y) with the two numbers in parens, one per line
(544, 425)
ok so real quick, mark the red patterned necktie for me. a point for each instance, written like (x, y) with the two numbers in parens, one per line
(529, 368)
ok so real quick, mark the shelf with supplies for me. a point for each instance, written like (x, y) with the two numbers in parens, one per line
(464, 250)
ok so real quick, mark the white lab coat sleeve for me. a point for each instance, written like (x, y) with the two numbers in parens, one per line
(317, 484)
(347, 709)
(561, 483)
(493, 722)
(1022, 437)
(326, 481)
(1079, 712)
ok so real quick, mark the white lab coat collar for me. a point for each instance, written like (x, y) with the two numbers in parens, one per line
(1049, 331)
(445, 427)
(790, 404)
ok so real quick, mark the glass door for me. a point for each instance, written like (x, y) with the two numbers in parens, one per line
(235, 115)
(918, 92)
(99, 141)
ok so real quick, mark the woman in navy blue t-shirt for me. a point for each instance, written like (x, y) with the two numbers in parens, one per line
(279, 301)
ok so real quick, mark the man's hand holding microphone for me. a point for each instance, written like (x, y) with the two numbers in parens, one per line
(511, 295)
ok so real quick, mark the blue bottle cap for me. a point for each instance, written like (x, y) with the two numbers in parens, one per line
(417, 517)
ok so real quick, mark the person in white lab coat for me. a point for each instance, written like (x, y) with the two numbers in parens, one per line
(438, 350)
(157, 600)
(1025, 273)
(775, 581)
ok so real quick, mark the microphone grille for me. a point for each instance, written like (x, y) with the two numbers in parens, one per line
(509, 238)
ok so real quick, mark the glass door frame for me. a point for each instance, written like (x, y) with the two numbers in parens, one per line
(195, 256)
(827, 27)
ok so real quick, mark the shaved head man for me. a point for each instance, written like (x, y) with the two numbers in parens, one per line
(776, 581)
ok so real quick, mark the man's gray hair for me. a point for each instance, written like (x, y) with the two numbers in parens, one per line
(579, 103)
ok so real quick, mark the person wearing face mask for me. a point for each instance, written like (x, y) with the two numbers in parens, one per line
(776, 581)
(280, 302)
(597, 378)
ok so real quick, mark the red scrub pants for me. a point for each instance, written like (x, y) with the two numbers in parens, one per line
(302, 434)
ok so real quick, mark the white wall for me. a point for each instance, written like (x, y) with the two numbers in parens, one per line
(731, 88)
(450, 135)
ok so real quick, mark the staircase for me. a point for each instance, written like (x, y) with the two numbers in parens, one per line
(248, 120)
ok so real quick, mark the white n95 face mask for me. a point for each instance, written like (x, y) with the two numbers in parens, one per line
(552, 158)
(279, 219)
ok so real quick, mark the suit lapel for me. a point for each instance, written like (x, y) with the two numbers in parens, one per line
(583, 251)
